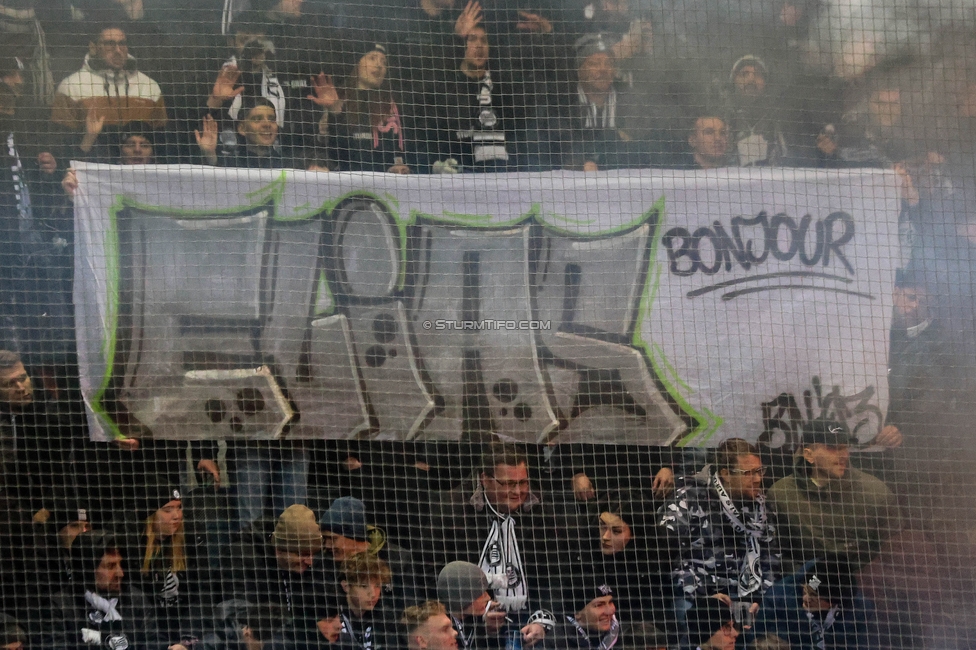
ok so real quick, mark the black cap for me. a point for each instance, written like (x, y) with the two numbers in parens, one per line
(579, 588)
(155, 495)
(827, 432)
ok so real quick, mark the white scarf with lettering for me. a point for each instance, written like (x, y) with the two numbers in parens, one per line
(753, 530)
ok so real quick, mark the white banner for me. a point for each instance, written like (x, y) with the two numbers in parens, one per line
(641, 307)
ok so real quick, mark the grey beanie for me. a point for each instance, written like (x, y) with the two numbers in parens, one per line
(459, 584)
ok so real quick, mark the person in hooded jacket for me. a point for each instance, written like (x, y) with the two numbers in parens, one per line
(108, 91)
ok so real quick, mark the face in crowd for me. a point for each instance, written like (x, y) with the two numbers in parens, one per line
(295, 561)
(709, 141)
(168, 519)
(476, 49)
(725, 638)
(109, 574)
(437, 633)
(508, 488)
(828, 461)
(363, 596)
(615, 534)
(111, 47)
(911, 307)
(598, 614)
(812, 602)
(136, 150)
(341, 547)
(330, 628)
(749, 81)
(16, 391)
(596, 72)
(744, 482)
(259, 127)
(479, 606)
(371, 70)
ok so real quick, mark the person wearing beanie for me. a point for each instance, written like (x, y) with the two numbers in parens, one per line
(369, 133)
(168, 560)
(827, 507)
(820, 606)
(282, 566)
(100, 607)
(261, 144)
(479, 621)
(346, 533)
(755, 117)
(603, 124)
(587, 617)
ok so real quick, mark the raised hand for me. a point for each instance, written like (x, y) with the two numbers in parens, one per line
(324, 93)
(535, 23)
(47, 162)
(225, 87)
(207, 141)
(469, 19)
(94, 123)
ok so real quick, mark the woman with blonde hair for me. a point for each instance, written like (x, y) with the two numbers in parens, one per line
(170, 564)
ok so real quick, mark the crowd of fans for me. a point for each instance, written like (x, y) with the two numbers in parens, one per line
(528, 549)
(440, 546)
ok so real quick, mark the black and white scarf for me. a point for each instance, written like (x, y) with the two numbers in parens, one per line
(753, 529)
(363, 640)
(818, 628)
(596, 117)
(464, 638)
(501, 560)
(105, 610)
(607, 641)
(21, 192)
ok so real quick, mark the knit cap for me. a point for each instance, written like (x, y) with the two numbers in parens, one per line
(155, 495)
(296, 531)
(459, 584)
(589, 45)
(347, 517)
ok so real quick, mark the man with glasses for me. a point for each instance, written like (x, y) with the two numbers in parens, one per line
(107, 93)
(504, 528)
(828, 507)
(720, 533)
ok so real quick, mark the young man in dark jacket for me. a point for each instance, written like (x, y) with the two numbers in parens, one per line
(101, 609)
